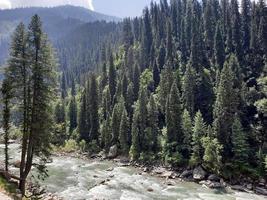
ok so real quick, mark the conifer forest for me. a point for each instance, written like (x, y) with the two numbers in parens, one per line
(182, 87)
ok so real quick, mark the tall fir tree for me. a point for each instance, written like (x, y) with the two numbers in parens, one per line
(199, 131)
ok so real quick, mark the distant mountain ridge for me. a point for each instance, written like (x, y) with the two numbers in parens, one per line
(57, 22)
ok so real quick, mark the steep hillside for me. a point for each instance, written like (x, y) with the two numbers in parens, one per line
(57, 22)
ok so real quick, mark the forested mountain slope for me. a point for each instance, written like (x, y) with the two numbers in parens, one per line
(57, 22)
(184, 85)
(187, 87)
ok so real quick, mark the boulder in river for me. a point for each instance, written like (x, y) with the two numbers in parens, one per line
(168, 174)
(186, 174)
(238, 188)
(199, 173)
(113, 152)
(260, 190)
(212, 184)
(214, 177)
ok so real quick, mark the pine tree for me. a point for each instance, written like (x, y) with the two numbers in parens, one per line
(135, 149)
(166, 81)
(152, 127)
(156, 74)
(161, 56)
(219, 53)
(130, 100)
(63, 86)
(16, 73)
(127, 34)
(147, 39)
(209, 26)
(136, 82)
(236, 27)
(212, 153)
(106, 134)
(199, 131)
(43, 80)
(73, 114)
(245, 20)
(239, 140)
(60, 113)
(187, 130)
(174, 119)
(115, 123)
(124, 133)
(142, 123)
(82, 125)
(225, 108)
(94, 118)
(112, 78)
(6, 95)
(188, 89)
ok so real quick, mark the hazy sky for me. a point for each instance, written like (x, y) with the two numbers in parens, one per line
(120, 8)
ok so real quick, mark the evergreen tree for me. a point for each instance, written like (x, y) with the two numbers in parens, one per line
(18, 76)
(73, 114)
(219, 54)
(43, 81)
(124, 133)
(161, 56)
(156, 74)
(212, 153)
(135, 149)
(136, 82)
(94, 118)
(112, 78)
(165, 85)
(245, 22)
(127, 34)
(174, 119)
(189, 90)
(187, 130)
(199, 131)
(6, 95)
(115, 123)
(225, 108)
(152, 127)
(130, 100)
(236, 27)
(239, 140)
(142, 123)
(147, 39)
(82, 126)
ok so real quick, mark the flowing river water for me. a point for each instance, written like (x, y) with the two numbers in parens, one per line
(77, 179)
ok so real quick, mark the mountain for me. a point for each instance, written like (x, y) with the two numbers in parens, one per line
(57, 22)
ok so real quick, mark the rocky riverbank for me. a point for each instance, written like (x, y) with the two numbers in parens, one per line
(198, 175)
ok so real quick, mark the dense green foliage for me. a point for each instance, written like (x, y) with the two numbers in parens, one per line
(30, 77)
(185, 85)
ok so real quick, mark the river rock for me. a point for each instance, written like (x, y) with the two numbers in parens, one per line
(113, 152)
(150, 190)
(199, 173)
(249, 186)
(214, 177)
(238, 188)
(211, 184)
(168, 174)
(260, 190)
(158, 170)
(186, 174)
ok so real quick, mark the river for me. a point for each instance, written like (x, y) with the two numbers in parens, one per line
(77, 179)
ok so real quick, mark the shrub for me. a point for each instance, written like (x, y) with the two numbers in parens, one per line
(70, 146)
